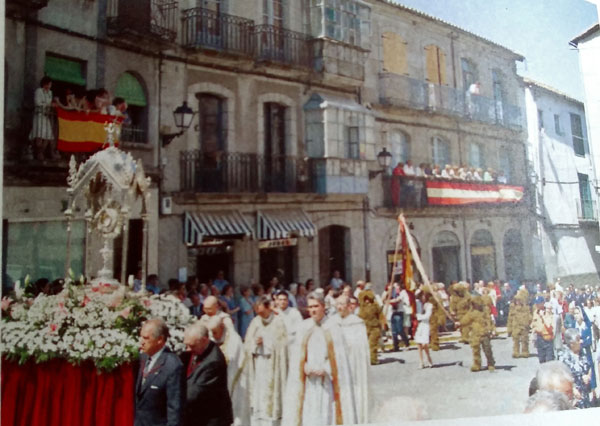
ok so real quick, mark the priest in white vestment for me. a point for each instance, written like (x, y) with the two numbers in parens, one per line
(290, 316)
(359, 358)
(232, 347)
(319, 390)
(266, 349)
(211, 309)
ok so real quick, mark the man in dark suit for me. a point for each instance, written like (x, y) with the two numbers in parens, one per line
(159, 389)
(208, 402)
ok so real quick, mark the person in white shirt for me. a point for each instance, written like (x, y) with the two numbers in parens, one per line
(290, 316)
(336, 281)
(409, 169)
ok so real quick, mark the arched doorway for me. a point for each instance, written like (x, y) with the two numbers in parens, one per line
(395, 261)
(513, 255)
(335, 253)
(445, 255)
(483, 256)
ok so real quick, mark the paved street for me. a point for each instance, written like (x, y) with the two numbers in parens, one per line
(450, 389)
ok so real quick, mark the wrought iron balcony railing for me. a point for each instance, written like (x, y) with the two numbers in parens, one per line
(134, 134)
(244, 173)
(156, 19)
(403, 91)
(275, 44)
(206, 29)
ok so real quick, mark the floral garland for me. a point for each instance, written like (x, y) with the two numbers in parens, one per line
(86, 323)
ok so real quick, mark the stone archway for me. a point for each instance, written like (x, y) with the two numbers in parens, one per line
(445, 255)
(335, 253)
(483, 256)
(512, 246)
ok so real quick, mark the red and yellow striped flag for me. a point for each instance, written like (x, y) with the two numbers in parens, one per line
(80, 131)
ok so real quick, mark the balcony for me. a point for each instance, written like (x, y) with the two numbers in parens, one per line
(280, 46)
(419, 192)
(335, 59)
(219, 32)
(244, 173)
(133, 134)
(402, 91)
(143, 21)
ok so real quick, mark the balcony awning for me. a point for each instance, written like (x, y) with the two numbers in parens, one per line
(218, 224)
(62, 69)
(130, 89)
(278, 224)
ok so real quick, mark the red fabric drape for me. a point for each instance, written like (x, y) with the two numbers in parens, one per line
(58, 393)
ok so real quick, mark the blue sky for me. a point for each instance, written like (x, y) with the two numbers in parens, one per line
(540, 30)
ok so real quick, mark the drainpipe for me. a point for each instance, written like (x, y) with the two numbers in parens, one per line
(366, 236)
(466, 245)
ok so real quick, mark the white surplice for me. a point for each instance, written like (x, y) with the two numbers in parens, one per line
(237, 378)
(312, 400)
(292, 319)
(267, 369)
(359, 359)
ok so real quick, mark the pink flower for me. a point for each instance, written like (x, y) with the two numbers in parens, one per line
(85, 301)
(147, 303)
(95, 289)
(53, 328)
(125, 312)
(5, 303)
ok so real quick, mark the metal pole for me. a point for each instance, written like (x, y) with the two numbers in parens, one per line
(144, 245)
(124, 249)
(69, 216)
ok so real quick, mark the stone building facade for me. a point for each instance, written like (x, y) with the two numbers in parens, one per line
(564, 176)
(293, 101)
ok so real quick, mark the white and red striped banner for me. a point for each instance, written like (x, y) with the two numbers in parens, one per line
(457, 193)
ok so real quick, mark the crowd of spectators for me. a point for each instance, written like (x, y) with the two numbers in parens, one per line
(449, 172)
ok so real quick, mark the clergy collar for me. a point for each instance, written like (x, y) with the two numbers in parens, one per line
(267, 321)
(322, 322)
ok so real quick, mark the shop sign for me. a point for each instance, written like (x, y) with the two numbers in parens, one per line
(284, 242)
(212, 250)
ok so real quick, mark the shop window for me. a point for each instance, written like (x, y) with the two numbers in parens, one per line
(38, 249)
(394, 53)
(135, 127)
(435, 65)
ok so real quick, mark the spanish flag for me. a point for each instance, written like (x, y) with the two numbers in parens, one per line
(80, 131)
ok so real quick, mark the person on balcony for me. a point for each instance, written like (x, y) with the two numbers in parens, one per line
(462, 172)
(408, 185)
(427, 170)
(471, 95)
(42, 132)
(477, 174)
(396, 185)
(487, 175)
(119, 109)
(501, 178)
(71, 102)
(437, 172)
(446, 172)
(102, 101)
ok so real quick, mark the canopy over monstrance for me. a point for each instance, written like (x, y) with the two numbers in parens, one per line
(112, 182)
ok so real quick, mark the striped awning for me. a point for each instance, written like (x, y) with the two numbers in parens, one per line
(218, 224)
(277, 224)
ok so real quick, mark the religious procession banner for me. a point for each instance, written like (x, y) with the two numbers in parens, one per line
(80, 131)
(460, 193)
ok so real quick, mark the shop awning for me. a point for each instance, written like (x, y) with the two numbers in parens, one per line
(277, 224)
(218, 224)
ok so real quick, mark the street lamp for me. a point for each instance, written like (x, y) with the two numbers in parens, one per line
(384, 159)
(183, 117)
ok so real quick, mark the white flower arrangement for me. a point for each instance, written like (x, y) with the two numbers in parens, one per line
(87, 323)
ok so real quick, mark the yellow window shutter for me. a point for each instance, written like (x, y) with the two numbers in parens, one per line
(394, 53)
(442, 66)
(431, 63)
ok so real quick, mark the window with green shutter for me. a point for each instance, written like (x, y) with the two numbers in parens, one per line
(65, 70)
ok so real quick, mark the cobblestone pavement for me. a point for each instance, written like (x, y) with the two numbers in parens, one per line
(449, 389)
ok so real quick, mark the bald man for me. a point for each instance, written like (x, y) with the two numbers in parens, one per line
(207, 399)
(211, 309)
